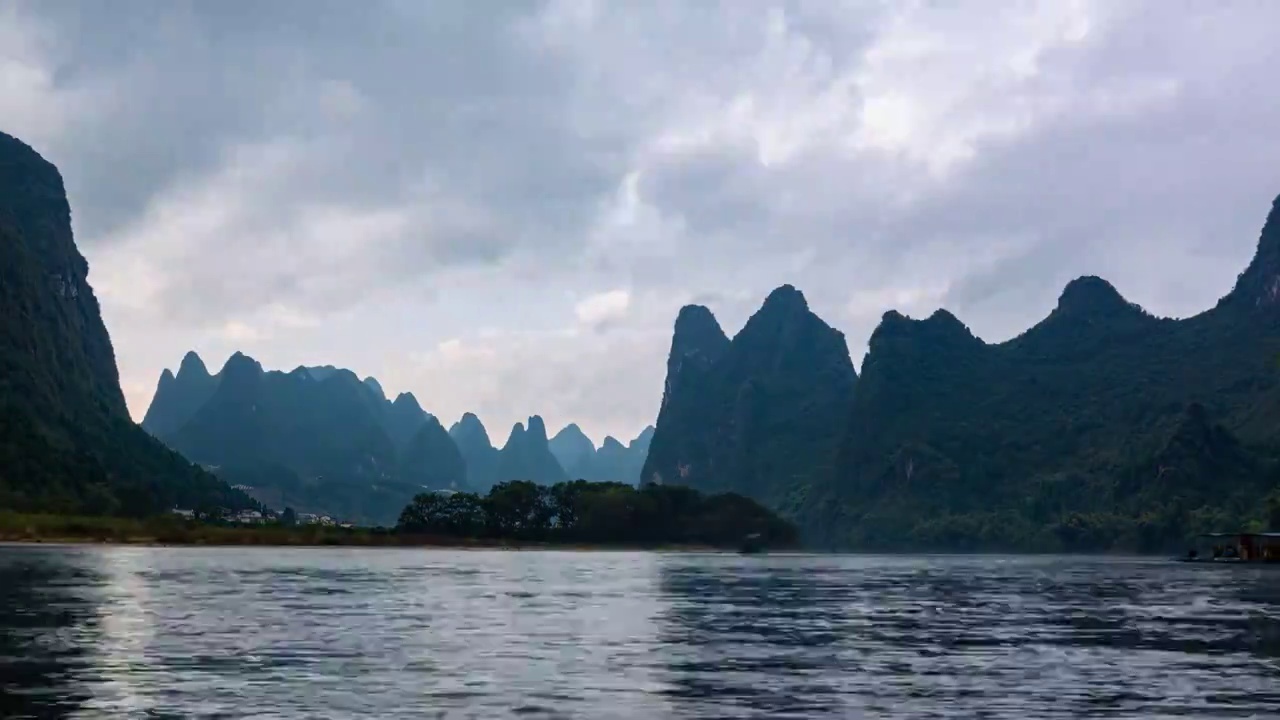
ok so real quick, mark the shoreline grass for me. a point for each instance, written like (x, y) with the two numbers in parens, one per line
(31, 529)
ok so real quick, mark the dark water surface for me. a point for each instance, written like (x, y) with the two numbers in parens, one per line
(139, 632)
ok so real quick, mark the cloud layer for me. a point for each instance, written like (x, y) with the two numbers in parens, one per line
(502, 207)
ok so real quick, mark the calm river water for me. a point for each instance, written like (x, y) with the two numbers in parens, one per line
(369, 633)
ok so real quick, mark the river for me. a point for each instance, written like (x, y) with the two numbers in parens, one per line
(363, 633)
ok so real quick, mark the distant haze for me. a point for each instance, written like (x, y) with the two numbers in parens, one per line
(501, 206)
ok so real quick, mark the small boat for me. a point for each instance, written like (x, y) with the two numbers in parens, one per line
(1236, 549)
(752, 544)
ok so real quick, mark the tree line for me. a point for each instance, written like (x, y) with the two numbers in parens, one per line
(597, 513)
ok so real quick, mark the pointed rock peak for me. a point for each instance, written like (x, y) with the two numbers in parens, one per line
(786, 297)
(611, 443)
(167, 380)
(571, 445)
(241, 365)
(470, 430)
(11, 144)
(892, 324)
(1089, 287)
(375, 386)
(192, 365)
(537, 428)
(1091, 295)
(784, 308)
(696, 321)
(406, 401)
(469, 423)
(941, 326)
(1259, 285)
(321, 372)
(942, 321)
(1269, 240)
(572, 431)
(346, 376)
(516, 434)
(644, 438)
(697, 335)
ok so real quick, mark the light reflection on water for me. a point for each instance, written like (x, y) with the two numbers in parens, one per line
(111, 632)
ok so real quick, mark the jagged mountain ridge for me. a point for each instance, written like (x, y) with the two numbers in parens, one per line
(1045, 441)
(325, 427)
(478, 452)
(67, 443)
(755, 414)
(611, 462)
(527, 456)
(178, 397)
(330, 431)
(432, 458)
(952, 437)
(317, 438)
(571, 446)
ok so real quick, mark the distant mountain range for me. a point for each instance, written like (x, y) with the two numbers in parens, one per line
(320, 439)
(1102, 427)
(611, 462)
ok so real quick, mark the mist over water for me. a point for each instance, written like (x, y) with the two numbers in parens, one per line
(269, 632)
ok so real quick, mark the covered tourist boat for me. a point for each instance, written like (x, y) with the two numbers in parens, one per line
(1236, 548)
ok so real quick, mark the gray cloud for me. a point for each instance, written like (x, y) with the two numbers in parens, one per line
(433, 193)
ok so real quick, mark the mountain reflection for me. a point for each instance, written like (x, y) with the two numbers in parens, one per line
(752, 637)
(46, 605)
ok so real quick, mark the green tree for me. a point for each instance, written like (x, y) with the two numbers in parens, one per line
(607, 512)
(519, 509)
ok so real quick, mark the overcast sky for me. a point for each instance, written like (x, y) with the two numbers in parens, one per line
(500, 206)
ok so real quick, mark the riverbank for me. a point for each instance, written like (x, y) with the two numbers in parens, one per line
(163, 531)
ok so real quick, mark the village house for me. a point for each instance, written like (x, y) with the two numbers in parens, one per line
(249, 517)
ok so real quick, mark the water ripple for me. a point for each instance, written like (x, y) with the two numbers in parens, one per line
(343, 633)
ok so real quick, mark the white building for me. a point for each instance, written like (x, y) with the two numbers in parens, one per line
(249, 516)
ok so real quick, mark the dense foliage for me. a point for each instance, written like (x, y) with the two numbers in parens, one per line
(66, 441)
(597, 513)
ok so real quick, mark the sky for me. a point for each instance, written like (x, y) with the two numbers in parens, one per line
(501, 206)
